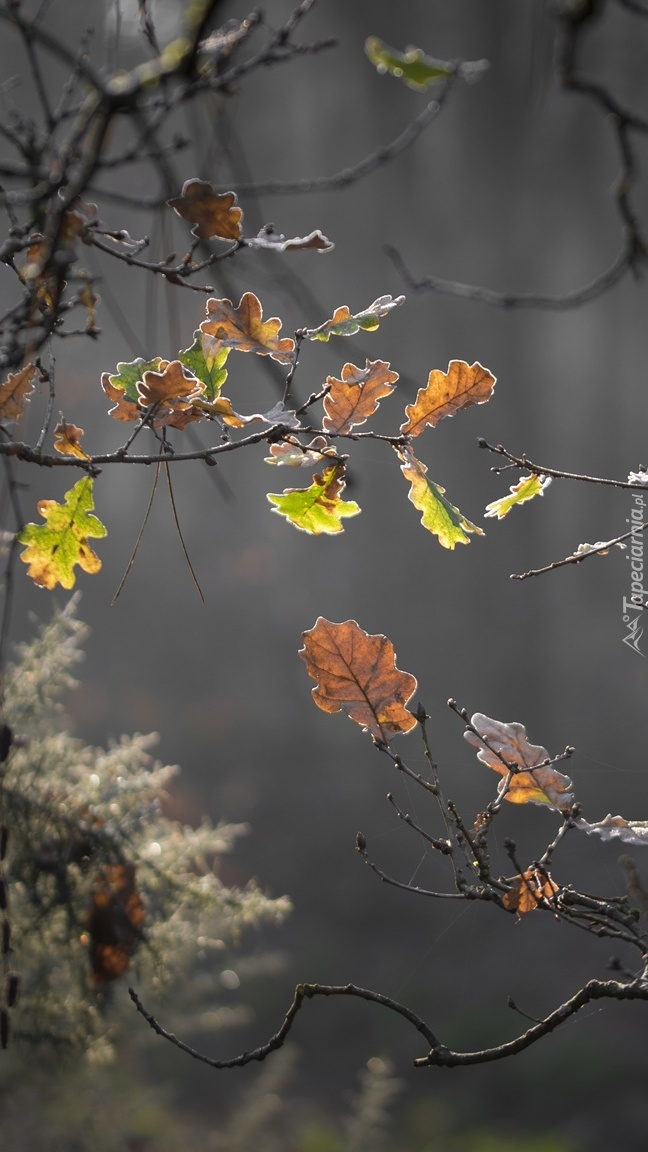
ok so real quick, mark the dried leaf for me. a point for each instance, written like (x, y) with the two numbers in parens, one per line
(67, 440)
(417, 70)
(89, 299)
(355, 397)
(616, 828)
(171, 387)
(446, 393)
(213, 213)
(440, 517)
(115, 922)
(356, 673)
(318, 509)
(343, 323)
(542, 785)
(530, 889)
(15, 391)
(54, 548)
(526, 488)
(292, 454)
(274, 242)
(244, 329)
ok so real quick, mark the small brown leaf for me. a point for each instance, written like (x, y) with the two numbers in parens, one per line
(16, 389)
(542, 784)
(67, 440)
(355, 397)
(213, 213)
(446, 393)
(530, 889)
(171, 387)
(357, 674)
(115, 922)
(244, 329)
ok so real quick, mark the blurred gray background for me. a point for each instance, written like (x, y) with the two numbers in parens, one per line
(509, 188)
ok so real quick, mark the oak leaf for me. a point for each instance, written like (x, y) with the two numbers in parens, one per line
(440, 517)
(342, 323)
(170, 387)
(356, 673)
(353, 399)
(54, 548)
(206, 359)
(633, 832)
(417, 70)
(319, 508)
(115, 922)
(213, 213)
(274, 242)
(446, 393)
(509, 747)
(292, 454)
(526, 488)
(67, 440)
(244, 329)
(16, 389)
(121, 386)
(530, 889)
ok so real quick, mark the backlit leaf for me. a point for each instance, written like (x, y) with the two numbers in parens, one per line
(530, 889)
(16, 389)
(439, 516)
(319, 508)
(206, 359)
(67, 440)
(170, 387)
(274, 242)
(542, 785)
(292, 454)
(616, 828)
(244, 329)
(526, 488)
(342, 323)
(54, 548)
(355, 397)
(356, 673)
(121, 387)
(417, 70)
(446, 393)
(213, 213)
(114, 923)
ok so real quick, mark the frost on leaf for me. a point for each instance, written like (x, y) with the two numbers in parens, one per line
(274, 242)
(318, 509)
(446, 393)
(244, 329)
(439, 516)
(121, 387)
(54, 548)
(353, 399)
(525, 489)
(508, 747)
(67, 440)
(356, 673)
(16, 389)
(171, 387)
(342, 323)
(291, 453)
(616, 828)
(530, 889)
(115, 922)
(212, 213)
(206, 359)
(417, 70)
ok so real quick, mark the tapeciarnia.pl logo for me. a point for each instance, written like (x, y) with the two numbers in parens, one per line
(634, 605)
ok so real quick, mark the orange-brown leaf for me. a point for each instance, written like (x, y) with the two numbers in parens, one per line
(357, 674)
(244, 328)
(115, 922)
(213, 213)
(67, 440)
(530, 889)
(355, 397)
(533, 780)
(124, 409)
(446, 393)
(16, 389)
(171, 387)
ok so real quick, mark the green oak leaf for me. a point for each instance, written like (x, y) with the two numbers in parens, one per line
(127, 376)
(525, 489)
(417, 70)
(53, 548)
(319, 508)
(439, 516)
(206, 359)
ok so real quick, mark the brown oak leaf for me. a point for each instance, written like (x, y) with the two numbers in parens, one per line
(16, 389)
(446, 393)
(353, 399)
(67, 440)
(244, 329)
(357, 674)
(530, 889)
(212, 213)
(508, 745)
